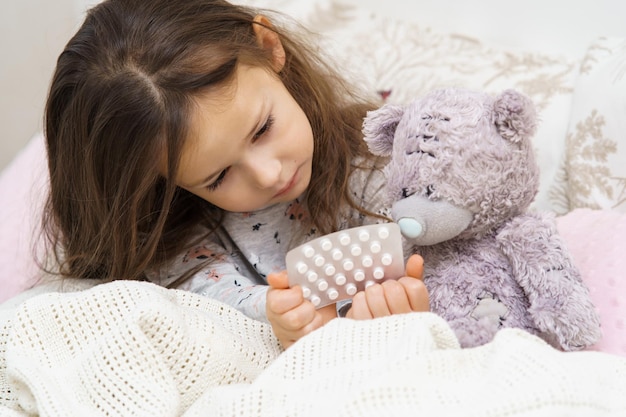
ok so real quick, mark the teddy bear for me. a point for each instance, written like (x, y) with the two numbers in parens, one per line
(460, 178)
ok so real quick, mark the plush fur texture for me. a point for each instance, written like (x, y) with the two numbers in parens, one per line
(461, 177)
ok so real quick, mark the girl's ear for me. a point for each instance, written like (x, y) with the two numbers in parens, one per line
(269, 40)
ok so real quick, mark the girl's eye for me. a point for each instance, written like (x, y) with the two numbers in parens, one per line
(265, 128)
(215, 184)
(262, 131)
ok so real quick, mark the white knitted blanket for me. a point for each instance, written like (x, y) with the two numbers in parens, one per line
(134, 349)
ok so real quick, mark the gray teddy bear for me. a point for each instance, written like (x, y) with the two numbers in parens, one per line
(461, 176)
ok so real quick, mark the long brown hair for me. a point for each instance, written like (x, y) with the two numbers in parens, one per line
(119, 101)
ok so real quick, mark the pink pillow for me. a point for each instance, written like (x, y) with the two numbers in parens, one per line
(596, 240)
(22, 193)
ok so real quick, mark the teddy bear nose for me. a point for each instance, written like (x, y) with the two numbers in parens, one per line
(428, 222)
(410, 227)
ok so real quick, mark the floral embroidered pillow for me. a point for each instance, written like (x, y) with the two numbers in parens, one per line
(593, 170)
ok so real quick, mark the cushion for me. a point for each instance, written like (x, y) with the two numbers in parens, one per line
(593, 171)
(22, 192)
(597, 241)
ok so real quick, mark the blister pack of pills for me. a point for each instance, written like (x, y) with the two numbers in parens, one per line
(334, 267)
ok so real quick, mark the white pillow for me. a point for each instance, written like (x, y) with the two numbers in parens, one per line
(397, 60)
(593, 170)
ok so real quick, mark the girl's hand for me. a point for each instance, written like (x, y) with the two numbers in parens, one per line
(404, 295)
(290, 315)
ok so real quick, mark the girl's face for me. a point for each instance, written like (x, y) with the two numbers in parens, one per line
(250, 146)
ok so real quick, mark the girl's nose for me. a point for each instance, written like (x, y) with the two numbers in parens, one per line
(265, 172)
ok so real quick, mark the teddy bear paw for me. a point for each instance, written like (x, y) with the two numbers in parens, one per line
(491, 309)
(574, 332)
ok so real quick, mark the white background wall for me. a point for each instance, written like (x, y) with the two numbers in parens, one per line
(32, 34)
(552, 26)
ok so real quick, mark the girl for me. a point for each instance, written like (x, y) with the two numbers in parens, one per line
(191, 143)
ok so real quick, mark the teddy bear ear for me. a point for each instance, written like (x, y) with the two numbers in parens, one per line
(515, 116)
(379, 128)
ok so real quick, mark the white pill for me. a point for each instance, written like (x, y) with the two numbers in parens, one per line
(312, 276)
(375, 247)
(356, 250)
(383, 233)
(369, 284)
(322, 285)
(332, 294)
(330, 270)
(337, 254)
(359, 275)
(379, 273)
(316, 300)
(364, 236)
(351, 289)
(344, 239)
(326, 244)
(367, 261)
(301, 268)
(319, 260)
(308, 251)
(386, 259)
(306, 292)
(348, 265)
(340, 279)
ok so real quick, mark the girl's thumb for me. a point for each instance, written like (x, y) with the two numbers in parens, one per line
(415, 267)
(278, 280)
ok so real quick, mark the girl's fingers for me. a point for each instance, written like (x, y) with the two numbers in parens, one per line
(298, 318)
(359, 310)
(376, 301)
(280, 301)
(396, 297)
(296, 323)
(391, 297)
(316, 322)
(415, 267)
(289, 337)
(416, 292)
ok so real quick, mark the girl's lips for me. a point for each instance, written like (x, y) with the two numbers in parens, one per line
(287, 187)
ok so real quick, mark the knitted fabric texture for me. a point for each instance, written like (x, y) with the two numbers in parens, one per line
(131, 348)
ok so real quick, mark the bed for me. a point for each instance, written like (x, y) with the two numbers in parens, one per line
(132, 348)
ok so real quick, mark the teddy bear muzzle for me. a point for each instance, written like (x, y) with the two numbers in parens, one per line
(427, 222)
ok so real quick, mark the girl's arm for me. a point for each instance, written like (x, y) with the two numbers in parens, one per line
(225, 277)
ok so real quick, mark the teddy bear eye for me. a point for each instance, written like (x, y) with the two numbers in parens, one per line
(430, 190)
(426, 138)
(430, 117)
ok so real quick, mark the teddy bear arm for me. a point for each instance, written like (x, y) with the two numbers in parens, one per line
(559, 302)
